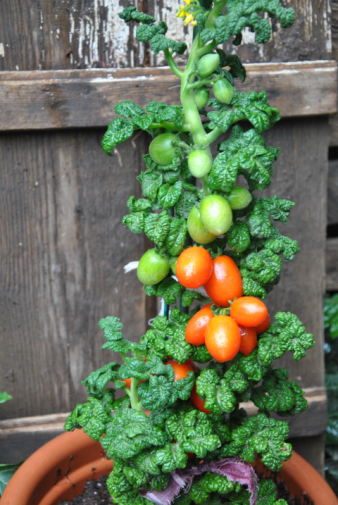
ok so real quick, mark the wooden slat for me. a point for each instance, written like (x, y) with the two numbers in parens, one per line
(22, 436)
(84, 98)
(332, 264)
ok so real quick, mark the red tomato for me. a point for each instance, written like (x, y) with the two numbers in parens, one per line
(147, 412)
(194, 267)
(223, 338)
(191, 363)
(248, 340)
(225, 282)
(261, 328)
(181, 370)
(197, 400)
(197, 326)
(248, 311)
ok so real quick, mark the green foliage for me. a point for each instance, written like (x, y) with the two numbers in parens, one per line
(4, 397)
(6, 473)
(331, 315)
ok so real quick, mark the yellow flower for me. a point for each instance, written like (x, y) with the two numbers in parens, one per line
(194, 23)
(181, 14)
(188, 2)
(188, 19)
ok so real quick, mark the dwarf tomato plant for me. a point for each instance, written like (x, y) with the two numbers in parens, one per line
(216, 234)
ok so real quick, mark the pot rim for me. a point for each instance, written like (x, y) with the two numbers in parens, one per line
(297, 473)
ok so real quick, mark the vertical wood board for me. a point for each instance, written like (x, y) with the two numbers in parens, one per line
(63, 250)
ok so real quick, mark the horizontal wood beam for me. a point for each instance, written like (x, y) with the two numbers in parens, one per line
(31, 100)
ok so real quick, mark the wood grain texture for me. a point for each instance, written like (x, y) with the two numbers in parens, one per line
(63, 248)
(331, 258)
(332, 193)
(44, 34)
(83, 98)
(300, 174)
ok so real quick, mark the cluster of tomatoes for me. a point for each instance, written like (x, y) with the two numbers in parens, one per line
(223, 335)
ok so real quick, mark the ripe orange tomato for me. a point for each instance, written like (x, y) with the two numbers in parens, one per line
(225, 282)
(181, 370)
(261, 328)
(248, 311)
(197, 326)
(197, 400)
(223, 338)
(147, 412)
(248, 340)
(194, 267)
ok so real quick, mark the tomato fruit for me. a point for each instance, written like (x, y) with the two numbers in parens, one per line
(223, 90)
(216, 214)
(201, 97)
(248, 311)
(225, 283)
(161, 149)
(239, 197)
(223, 338)
(196, 229)
(199, 163)
(197, 400)
(194, 267)
(180, 370)
(261, 328)
(128, 382)
(152, 268)
(197, 326)
(208, 64)
(248, 340)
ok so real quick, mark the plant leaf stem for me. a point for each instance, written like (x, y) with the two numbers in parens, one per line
(133, 394)
(171, 126)
(172, 64)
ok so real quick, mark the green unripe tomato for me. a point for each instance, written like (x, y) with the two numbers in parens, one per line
(173, 261)
(223, 90)
(196, 229)
(161, 149)
(199, 163)
(239, 197)
(208, 64)
(152, 268)
(201, 97)
(216, 214)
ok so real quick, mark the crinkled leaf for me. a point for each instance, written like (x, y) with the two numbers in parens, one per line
(4, 397)
(189, 296)
(131, 13)
(177, 346)
(160, 43)
(118, 131)
(129, 109)
(146, 32)
(263, 435)
(200, 354)
(175, 241)
(280, 244)
(97, 380)
(232, 61)
(111, 327)
(168, 195)
(238, 236)
(255, 107)
(331, 314)
(224, 172)
(151, 182)
(223, 120)
(157, 227)
(170, 457)
(185, 203)
(157, 393)
(216, 392)
(129, 433)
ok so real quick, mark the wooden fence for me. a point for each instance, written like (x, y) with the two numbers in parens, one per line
(62, 243)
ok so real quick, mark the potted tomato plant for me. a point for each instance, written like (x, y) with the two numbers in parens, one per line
(178, 434)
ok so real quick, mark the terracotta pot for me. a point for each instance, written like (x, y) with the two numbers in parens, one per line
(59, 470)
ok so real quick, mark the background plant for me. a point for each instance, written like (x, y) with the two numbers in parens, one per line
(151, 448)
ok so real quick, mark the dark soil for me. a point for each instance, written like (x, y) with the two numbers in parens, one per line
(96, 493)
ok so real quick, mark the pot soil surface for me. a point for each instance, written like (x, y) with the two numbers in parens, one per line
(96, 493)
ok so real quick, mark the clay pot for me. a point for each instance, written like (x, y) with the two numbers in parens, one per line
(59, 470)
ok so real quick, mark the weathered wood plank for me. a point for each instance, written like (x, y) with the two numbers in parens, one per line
(89, 33)
(332, 193)
(63, 248)
(331, 258)
(20, 437)
(62, 99)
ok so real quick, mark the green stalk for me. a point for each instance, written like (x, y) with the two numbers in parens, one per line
(133, 394)
(172, 64)
(215, 11)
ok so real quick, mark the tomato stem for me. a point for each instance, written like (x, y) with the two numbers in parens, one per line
(135, 404)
